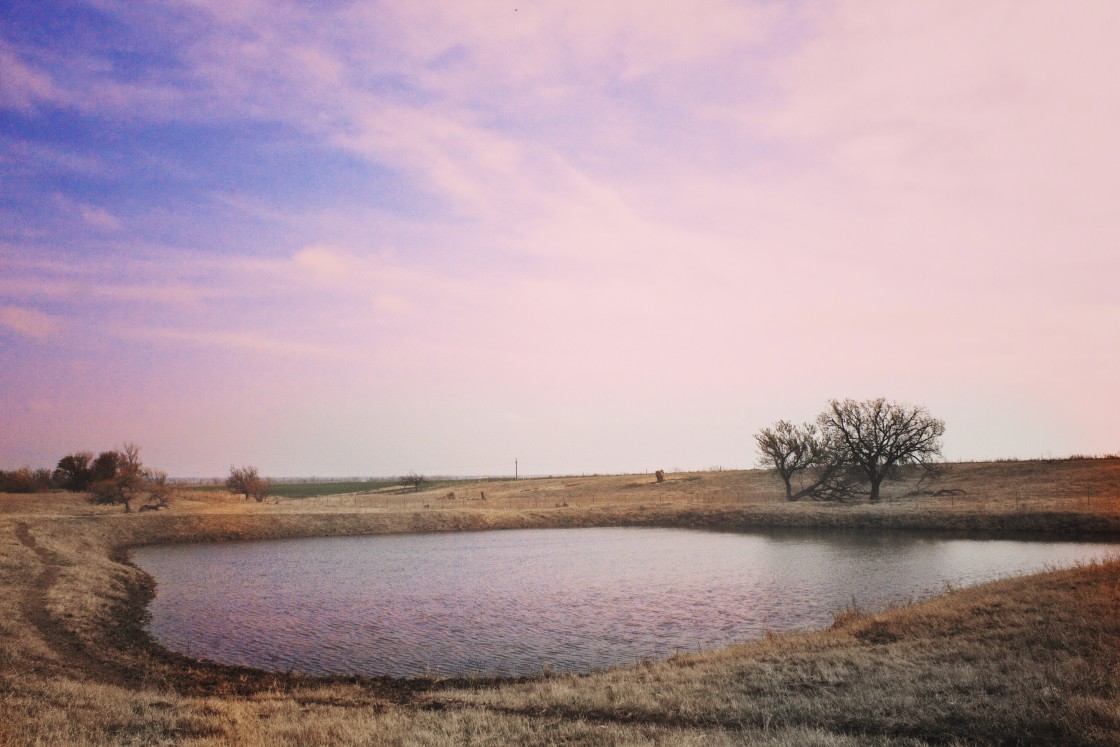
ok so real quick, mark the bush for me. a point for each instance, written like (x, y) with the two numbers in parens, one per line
(74, 472)
(248, 482)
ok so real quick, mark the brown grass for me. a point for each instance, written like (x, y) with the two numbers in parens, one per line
(1022, 661)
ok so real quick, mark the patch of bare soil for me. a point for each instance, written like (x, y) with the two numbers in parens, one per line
(69, 650)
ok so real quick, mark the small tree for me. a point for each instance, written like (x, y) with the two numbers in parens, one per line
(877, 436)
(789, 449)
(119, 478)
(801, 449)
(74, 472)
(248, 482)
(415, 480)
(159, 492)
(259, 489)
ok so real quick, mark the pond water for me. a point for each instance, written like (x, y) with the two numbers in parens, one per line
(512, 602)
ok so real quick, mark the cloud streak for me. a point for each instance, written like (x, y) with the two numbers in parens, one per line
(28, 322)
(23, 87)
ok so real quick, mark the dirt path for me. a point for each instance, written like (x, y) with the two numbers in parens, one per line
(145, 661)
(72, 656)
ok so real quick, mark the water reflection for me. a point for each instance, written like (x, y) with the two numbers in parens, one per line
(511, 602)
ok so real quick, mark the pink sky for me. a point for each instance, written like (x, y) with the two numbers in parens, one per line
(593, 237)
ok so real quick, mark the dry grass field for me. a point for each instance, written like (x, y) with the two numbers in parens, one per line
(1022, 661)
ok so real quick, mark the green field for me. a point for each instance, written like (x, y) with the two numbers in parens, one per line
(313, 489)
(307, 489)
(300, 490)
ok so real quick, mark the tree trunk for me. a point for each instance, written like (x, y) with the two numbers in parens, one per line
(875, 482)
(789, 489)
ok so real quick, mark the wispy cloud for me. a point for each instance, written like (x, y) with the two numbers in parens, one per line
(97, 280)
(237, 341)
(99, 218)
(29, 322)
(23, 86)
(24, 158)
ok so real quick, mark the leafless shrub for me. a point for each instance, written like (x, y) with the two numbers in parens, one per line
(248, 482)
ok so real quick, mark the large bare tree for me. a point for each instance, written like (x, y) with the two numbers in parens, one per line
(877, 436)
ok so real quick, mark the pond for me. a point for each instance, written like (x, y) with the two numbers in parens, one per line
(513, 602)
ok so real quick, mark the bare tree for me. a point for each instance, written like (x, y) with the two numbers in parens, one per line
(415, 480)
(789, 449)
(805, 452)
(240, 479)
(119, 477)
(878, 436)
(260, 489)
(248, 481)
(159, 492)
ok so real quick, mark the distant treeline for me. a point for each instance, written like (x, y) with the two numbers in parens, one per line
(29, 480)
(26, 480)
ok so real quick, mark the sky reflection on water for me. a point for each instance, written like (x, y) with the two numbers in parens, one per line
(512, 602)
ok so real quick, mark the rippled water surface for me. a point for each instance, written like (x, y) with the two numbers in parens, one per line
(512, 602)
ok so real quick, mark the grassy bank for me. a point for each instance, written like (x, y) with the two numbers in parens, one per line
(307, 488)
(1022, 661)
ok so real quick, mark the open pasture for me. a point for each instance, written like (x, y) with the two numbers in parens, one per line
(1019, 661)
